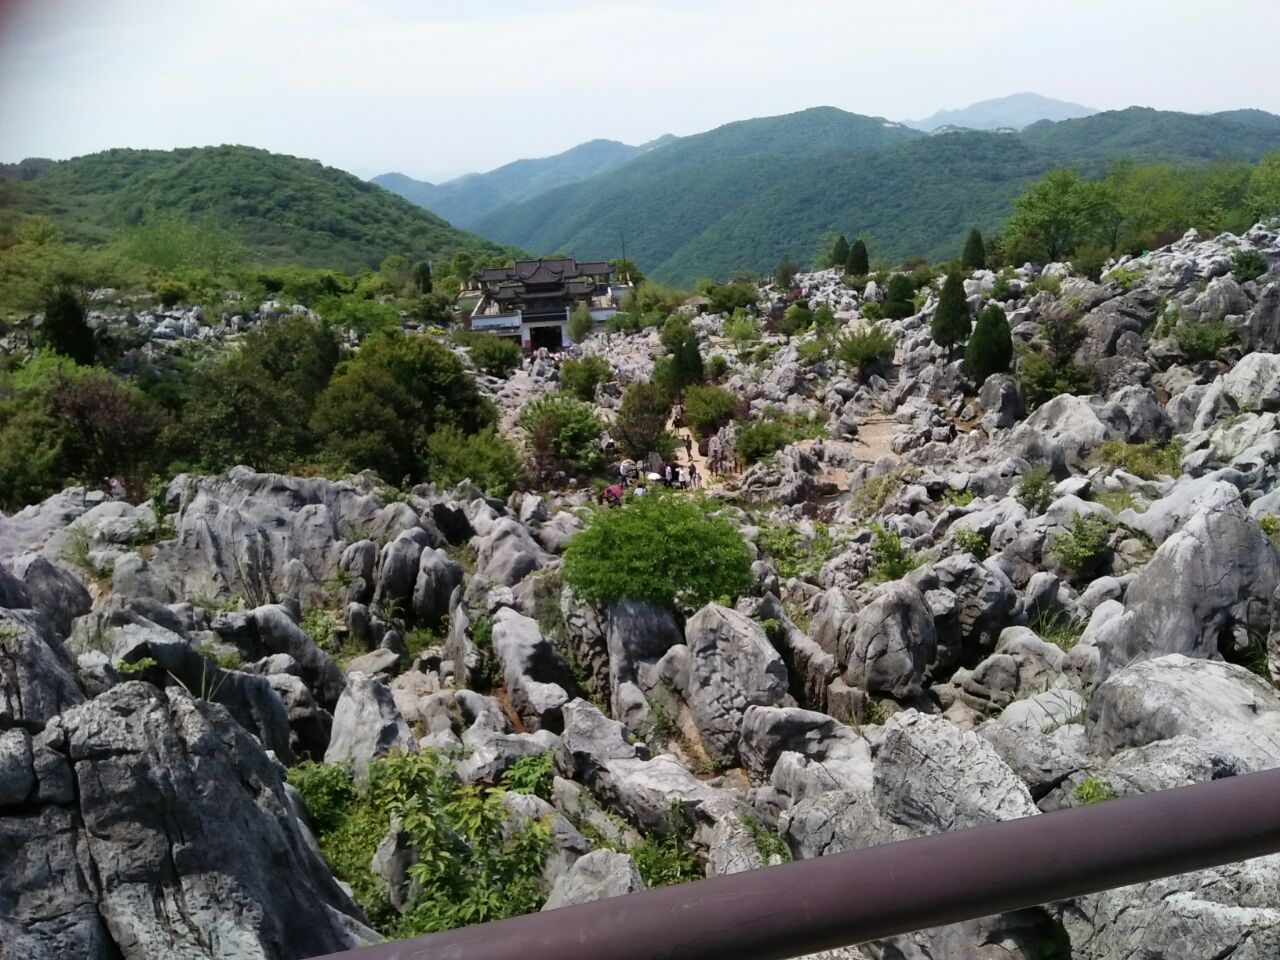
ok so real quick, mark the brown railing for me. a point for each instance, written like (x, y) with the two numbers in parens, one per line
(848, 898)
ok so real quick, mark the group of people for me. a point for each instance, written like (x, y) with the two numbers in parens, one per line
(639, 477)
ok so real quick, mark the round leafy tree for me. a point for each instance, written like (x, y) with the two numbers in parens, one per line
(661, 549)
(951, 320)
(990, 348)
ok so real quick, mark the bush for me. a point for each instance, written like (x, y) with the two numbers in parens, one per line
(64, 329)
(581, 377)
(486, 458)
(642, 418)
(892, 561)
(813, 351)
(1083, 549)
(683, 364)
(1146, 460)
(169, 291)
(990, 349)
(496, 356)
(1203, 341)
(717, 367)
(970, 541)
(661, 549)
(729, 297)
(1035, 490)
(709, 408)
(1248, 265)
(951, 321)
(581, 323)
(863, 350)
(795, 319)
(1093, 790)
(562, 433)
(899, 298)
(354, 312)
(1042, 381)
(758, 439)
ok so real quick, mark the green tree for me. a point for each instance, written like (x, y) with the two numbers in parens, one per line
(857, 265)
(757, 439)
(865, 349)
(683, 364)
(487, 458)
(624, 270)
(840, 252)
(562, 433)
(951, 321)
(784, 274)
(728, 297)
(64, 329)
(581, 377)
(709, 408)
(496, 356)
(581, 323)
(990, 349)
(1050, 218)
(661, 549)
(899, 298)
(299, 354)
(422, 276)
(975, 252)
(642, 419)
(357, 313)
(1263, 197)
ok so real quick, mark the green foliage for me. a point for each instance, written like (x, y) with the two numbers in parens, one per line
(1049, 219)
(1042, 380)
(1093, 790)
(990, 349)
(891, 560)
(757, 440)
(531, 774)
(867, 499)
(1263, 192)
(717, 367)
(581, 377)
(562, 433)
(970, 541)
(496, 356)
(1035, 490)
(380, 407)
(1147, 460)
(136, 668)
(1124, 277)
(975, 252)
(899, 300)
(581, 323)
(784, 274)
(857, 264)
(363, 315)
(951, 321)
(709, 408)
(863, 350)
(683, 364)
(839, 253)
(728, 297)
(669, 857)
(1204, 340)
(1248, 265)
(769, 844)
(1270, 525)
(741, 331)
(813, 351)
(64, 329)
(661, 549)
(641, 423)
(792, 555)
(1084, 548)
(1058, 628)
(486, 458)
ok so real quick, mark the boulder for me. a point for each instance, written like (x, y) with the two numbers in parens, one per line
(438, 576)
(366, 724)
(54, 591)
(508, 553)
(894, 642)
(538, 677)
(599, 875)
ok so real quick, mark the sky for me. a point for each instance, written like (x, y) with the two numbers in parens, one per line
(437, 89)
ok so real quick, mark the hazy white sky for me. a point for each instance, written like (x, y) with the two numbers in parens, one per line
(437, 89)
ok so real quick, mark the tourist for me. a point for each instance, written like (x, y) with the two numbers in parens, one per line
(682, 478)
(695, 478)
(668, 474)
(688, 446)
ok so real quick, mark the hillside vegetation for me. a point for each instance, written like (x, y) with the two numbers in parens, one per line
(747, 194)
(283, 209)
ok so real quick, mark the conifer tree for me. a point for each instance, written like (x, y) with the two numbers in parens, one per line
(975, 252)
(64, 329)
(898, 301)
(990, 348)
(858, 265)
(840, 253)
(951, 322)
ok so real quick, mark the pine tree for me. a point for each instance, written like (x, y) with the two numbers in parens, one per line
(64, 329)
(975, 252)
(840, 253)
(899, 299)
(951, 322)
(422, 276)
(857, 265)
(990, 347)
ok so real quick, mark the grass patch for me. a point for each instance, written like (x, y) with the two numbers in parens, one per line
(1147, 460)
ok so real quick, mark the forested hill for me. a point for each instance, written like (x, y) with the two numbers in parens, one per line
(747, 194)
(467, 199)
(285, 209)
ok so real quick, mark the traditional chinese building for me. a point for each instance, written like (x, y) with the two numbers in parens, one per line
(533, 300)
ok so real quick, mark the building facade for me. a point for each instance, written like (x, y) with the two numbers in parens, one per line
(533, 300)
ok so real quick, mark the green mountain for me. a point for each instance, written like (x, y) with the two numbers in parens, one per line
(667, 198)
(747, 194)
(467, 199)
(1014, 112)
(285, 209)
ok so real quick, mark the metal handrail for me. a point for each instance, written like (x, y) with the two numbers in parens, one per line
(861, 895)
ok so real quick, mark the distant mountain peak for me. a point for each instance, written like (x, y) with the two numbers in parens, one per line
(1016, 111)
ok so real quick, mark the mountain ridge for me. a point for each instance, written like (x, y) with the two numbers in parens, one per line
(1016, 110)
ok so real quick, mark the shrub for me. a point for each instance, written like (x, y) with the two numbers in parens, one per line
(1203, 341)
(951, 322)
(741, 331)
(169, 291)
(717, 367)
(1042, 381)
(864, 349)
(898, 302)
(496, 356)
(1093, 790)
(363, 315)
(857, 265)
(661, 549)
(1083, 549)
(486, 458)
(824, 319)
(669, 857)
(709, 408)
(1248, 265)
(792, 556)
(581, 377)
(562, 433)
(1046, 284)
(813, 351)
(1001, 290)
(990, 349)
(531, 774)
(1146, 460)
(64, 329)
(892, 561)
(1035, 490)
(970, 541)
(1270, 525)
(642, 419)
(580, 323)
(683, 364)
(796, 319)
(729, 297)
(759, 439)
(784, 274)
